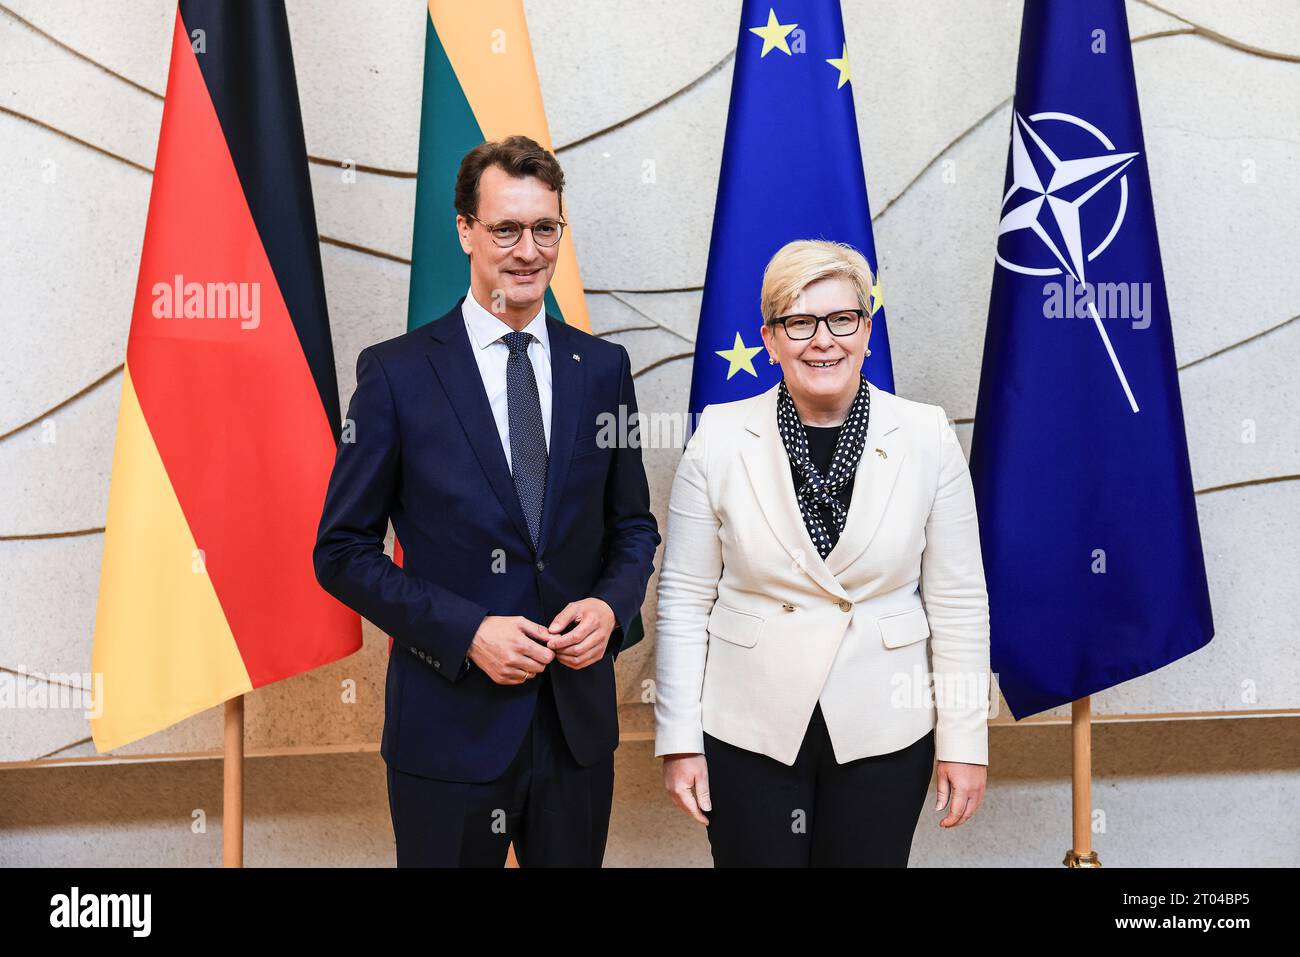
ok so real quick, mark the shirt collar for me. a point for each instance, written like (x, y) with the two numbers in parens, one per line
(485, 328)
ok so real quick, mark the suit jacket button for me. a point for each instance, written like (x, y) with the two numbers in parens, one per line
(541, 566)
(846, 605)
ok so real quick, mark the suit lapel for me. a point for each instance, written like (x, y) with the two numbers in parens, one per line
(452, 357)
(568, 381)
(873, 482)
(768, 468)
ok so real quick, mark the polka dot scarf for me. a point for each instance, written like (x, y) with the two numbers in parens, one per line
(819, 491)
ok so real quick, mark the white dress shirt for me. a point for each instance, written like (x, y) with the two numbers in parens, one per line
(485, 332)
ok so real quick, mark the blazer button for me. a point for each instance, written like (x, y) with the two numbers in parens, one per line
(541, 566)
(846, 605)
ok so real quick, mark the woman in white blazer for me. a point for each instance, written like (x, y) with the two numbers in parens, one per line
(822, 616)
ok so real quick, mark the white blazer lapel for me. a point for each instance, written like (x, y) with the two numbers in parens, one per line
(768, 468)
(873, 483)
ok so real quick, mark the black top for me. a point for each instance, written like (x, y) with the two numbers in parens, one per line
(821, 447)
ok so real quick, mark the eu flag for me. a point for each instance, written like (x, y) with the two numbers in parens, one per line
(1092, 553)
(791, 169)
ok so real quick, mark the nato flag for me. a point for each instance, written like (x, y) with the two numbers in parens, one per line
(1092, 552)
(791, 169)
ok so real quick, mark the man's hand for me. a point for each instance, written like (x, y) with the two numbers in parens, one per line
(585, 644)
(510, 649)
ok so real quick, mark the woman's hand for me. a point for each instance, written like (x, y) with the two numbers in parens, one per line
(686, 779)
(966, 783)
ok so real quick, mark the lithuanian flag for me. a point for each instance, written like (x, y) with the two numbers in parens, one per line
(480, 83)
(229, 410)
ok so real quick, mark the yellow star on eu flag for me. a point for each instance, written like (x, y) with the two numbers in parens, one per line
(841, 63)
(774, 34)
(740, 356)
(877, 297)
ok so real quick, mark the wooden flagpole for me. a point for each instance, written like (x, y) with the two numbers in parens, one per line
(1081, 854)
(232, 803)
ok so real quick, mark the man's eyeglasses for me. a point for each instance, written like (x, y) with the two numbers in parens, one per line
(803, 325)
(546, 232)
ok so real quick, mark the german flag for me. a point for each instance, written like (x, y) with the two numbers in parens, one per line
(229, 411)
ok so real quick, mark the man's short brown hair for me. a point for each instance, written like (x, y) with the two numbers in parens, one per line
(519, 156)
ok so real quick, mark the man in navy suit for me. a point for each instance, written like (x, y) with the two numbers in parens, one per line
(527, 543)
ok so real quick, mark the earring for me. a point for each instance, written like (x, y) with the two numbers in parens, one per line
(771, 361)
(868, 352)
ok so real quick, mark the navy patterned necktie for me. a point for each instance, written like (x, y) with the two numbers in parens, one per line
(527, 434)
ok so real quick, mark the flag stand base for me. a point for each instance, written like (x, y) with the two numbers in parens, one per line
(1074, 859)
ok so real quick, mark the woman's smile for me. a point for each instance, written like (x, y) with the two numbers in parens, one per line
(822, 364)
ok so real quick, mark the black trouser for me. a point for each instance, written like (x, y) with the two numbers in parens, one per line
(555, 811)
(815, 813)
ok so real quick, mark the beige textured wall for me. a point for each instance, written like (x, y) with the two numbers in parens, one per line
(626, 82)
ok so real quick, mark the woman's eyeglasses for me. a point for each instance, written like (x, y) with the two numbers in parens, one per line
(803, 325)
(546, 232)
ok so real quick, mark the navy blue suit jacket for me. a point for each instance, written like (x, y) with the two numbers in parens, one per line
(426, 454)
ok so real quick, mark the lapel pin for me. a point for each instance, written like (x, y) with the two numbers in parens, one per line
(881, 453)
(577, 358)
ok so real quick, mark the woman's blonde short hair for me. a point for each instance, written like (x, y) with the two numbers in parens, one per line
(803, 262)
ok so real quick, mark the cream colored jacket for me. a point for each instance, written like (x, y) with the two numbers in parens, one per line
(754, 627)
